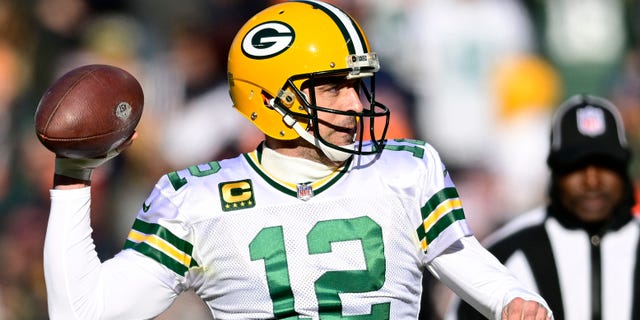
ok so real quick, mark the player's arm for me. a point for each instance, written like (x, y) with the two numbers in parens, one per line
(480, 279)
(76, 173)
(456, 257)
(79, 286)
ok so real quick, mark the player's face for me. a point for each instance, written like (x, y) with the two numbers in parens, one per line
(342, 95)
(591, 192)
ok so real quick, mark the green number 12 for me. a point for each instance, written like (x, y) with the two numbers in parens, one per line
(268, 245)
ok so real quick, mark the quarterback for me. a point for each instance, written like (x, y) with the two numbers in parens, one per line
(324, 220)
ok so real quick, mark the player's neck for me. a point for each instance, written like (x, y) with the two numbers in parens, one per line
(293, 169)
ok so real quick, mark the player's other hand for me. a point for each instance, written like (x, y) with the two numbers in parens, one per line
(520, 309)
(77, 171)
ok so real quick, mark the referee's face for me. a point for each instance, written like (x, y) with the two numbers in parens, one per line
(591, 192)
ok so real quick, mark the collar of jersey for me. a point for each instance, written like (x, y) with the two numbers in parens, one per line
(253, 158)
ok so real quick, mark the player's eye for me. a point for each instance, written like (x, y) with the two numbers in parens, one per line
(329, 88)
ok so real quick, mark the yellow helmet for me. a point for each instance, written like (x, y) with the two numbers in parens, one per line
(291, 43)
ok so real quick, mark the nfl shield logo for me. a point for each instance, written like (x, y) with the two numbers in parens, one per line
(591, 121)
(305, 192)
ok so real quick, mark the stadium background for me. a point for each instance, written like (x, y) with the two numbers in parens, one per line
(478, 79)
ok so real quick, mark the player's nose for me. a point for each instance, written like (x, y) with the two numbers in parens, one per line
(352, 99)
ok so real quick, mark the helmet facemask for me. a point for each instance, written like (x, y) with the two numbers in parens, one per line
(279, 50)
(308, 120)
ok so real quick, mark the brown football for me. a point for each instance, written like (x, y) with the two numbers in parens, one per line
(89, 111)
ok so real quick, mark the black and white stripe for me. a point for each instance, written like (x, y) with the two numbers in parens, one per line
(581, 277)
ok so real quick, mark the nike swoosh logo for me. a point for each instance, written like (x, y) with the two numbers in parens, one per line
(145, 207)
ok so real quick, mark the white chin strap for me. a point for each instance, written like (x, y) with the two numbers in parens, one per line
(333, 154)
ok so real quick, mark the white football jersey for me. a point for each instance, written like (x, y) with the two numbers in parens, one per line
(351, 246)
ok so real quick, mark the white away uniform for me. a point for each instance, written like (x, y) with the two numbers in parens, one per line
(353, 245)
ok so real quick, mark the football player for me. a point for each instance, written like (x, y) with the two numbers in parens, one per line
(324, 220)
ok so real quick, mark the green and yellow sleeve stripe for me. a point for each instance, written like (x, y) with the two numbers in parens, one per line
(158, 243)
(442, 210)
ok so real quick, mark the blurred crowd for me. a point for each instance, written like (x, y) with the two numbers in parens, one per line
(478, 79)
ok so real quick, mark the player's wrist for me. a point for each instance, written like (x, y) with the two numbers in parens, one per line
(73, 169)
(65, 182)
(81, 169)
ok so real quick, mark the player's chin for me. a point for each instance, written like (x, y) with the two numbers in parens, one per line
(341, 139)
(340, 135)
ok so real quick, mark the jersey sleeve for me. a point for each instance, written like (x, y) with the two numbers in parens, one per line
(79, 286)
(476, 276)
(443, 218)
(161, 232)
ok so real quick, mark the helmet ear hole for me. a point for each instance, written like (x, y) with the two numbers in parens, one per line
(267, 99)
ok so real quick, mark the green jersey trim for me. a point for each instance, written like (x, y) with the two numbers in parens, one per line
(442, 210)
(291, 189)
(160, 244)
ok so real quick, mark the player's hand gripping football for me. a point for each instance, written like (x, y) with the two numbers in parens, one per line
(87, 117)
(81, 168)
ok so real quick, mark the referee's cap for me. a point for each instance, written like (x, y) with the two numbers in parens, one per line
(584, 128)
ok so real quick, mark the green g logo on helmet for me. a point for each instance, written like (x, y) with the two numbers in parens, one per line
(267, 40)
